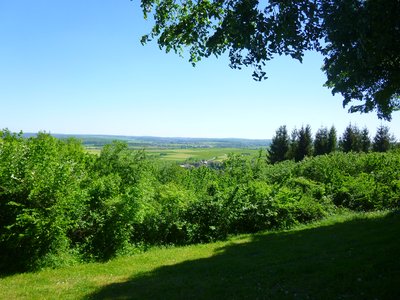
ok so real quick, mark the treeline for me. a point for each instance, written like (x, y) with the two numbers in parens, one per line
(61, 205)
(300, 143)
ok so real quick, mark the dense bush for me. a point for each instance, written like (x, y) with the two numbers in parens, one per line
(59, 204)
(41, 198)
(356, 181)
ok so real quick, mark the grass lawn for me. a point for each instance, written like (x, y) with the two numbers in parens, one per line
(354, 256)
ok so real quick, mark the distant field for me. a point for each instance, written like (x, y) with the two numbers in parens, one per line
(195, 154)
(178, 149)
(216, 154)
(174, 148)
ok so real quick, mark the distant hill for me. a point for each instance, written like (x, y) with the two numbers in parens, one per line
(98, 141)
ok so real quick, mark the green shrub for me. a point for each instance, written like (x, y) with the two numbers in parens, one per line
(173, 202)
(206, 220)
(59, 205)
(248, 207)
(40, 199)
(293, 208)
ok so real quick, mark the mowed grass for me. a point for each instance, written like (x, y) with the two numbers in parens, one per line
(353, 256)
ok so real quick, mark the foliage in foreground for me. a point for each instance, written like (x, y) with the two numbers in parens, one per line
(348, 256)
(60, 205)
(361, 53)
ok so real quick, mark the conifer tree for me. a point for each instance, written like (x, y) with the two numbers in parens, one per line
(351, 139)
(293, 145)
(304, 143)
(279, 147)
(365, 140)
(383, 139)
(332, 140)
(321, 142)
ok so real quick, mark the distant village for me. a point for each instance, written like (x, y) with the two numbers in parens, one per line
(211, 163)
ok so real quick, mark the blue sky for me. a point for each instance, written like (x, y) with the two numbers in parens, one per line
(78, 67)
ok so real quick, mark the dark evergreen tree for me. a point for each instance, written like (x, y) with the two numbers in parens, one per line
(383, 139)
(365, 140)
(332, 139)
(321, 142)
(351, 139)
(304, 143)
(294, 141)
(279, 147)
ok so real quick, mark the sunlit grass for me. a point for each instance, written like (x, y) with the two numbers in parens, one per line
(350, 256)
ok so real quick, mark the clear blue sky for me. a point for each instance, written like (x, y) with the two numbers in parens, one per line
(73, 66)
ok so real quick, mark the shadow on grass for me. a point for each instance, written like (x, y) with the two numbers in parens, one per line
(358, 259)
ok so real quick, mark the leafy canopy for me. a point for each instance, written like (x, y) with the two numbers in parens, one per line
(360, 40)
